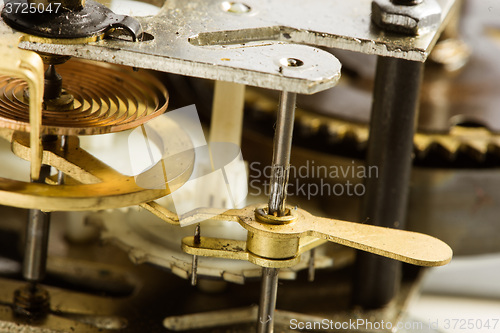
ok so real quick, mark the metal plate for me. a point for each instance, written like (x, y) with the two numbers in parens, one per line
(188, 38)
(258, 64)
(331, 23)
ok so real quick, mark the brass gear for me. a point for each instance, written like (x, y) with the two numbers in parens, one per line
(474, 142)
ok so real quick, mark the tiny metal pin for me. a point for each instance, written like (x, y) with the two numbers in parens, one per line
(64, 148)
(311, 271)
(197, 235)
(194, 267)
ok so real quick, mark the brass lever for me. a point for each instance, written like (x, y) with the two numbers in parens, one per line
(278, 241)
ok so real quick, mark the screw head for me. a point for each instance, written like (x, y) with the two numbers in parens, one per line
(406, 19)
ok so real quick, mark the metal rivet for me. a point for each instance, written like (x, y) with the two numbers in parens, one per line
(291, 62)
(235, 7)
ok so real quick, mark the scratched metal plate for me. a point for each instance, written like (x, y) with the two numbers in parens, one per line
(201, 39)
(333, 23)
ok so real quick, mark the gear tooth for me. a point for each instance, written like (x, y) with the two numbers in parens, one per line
(475, 142)
(342, 130)
(362, 134)
(313, 125)
(421, 144)
(443, 149)
(351, 134)
(336, 132)
(450, 145)
(475, 149)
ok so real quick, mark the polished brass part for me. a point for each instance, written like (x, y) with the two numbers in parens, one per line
(263, 216)
(235, 249)
(27, 66)
(272, 247)
(107, 98)
(406, 246)
(97, 185)
(231, 249)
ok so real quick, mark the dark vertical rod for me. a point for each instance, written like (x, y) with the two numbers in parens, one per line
(269, 290)
(390, 149)
(37, 237)
(37, 230)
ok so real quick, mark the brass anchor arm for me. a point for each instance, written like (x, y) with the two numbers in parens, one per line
(306, 232)
(406, 246)
(402, 245)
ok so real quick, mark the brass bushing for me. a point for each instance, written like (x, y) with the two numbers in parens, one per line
(262, 215)
(272, 247)
(275, 246)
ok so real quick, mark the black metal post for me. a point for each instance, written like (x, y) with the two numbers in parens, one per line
(390, 149)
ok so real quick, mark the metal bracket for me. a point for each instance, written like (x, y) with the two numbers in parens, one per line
(28, 66)
(237, 250)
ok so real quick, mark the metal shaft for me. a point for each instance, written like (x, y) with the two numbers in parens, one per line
(37, 230)
(390, 148)
(281, 153)
(267, 300)
(281, 167)
(37, 236)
